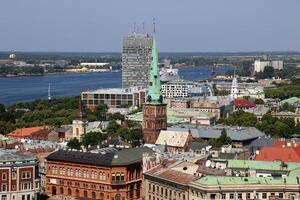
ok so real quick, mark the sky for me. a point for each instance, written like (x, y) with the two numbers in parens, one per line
(181, 25)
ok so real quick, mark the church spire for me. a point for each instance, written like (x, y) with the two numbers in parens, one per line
(154, 88)
(80, 114)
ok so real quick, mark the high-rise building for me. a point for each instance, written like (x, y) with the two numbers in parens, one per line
(136, 60)
(154, 110)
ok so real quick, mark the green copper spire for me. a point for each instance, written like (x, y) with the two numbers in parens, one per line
(154, 88)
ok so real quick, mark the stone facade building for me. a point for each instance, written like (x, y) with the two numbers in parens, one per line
(19, 178)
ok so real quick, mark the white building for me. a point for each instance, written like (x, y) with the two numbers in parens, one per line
(259, 65)
(182, 88)
(234, 92)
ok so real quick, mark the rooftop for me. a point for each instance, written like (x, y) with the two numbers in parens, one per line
(26, 132)
(262, 165)
(173, 138)
(228, 180)
(116, 90)
(208, 132)
(120, 158)
(11, 156)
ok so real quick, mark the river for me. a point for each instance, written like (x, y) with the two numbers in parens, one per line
(28, 88)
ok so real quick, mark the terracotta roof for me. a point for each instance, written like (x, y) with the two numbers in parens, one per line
(243, 103)
(26, 132)
(287, 143)
(177, 176)
(285, 154)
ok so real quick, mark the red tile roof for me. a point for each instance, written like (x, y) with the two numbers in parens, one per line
(26, 132)
(285, 154)
(280, 143)
(243, 103)
(177, 176)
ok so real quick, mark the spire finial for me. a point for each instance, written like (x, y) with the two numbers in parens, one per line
(153, 24)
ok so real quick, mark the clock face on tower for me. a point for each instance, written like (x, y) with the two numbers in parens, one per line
(150, 111)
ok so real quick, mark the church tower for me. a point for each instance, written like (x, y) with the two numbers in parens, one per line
(154, 110)
(234, 88)
(79, 124)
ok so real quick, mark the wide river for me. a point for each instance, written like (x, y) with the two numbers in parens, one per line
(19, 89)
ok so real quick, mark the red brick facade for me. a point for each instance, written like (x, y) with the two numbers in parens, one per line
(94, 182)
(154, 120)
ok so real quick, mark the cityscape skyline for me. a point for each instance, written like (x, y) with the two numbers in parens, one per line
(196, 26)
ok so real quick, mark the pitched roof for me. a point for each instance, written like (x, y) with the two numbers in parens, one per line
(243, 103)
(26, 132)
(208, 132)
(173, 138)
(285, 154)
(120, 158)
(176, 176)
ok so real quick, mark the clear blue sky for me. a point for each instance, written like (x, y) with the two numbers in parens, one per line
(182, 25)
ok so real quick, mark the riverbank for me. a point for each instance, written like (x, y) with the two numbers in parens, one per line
(29, 88)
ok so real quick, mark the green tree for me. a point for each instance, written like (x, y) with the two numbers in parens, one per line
(73, 144)
(92, 138)
(241, 118)
(116, 116)
(287, 107)
(222, 140)
(112, 128)
(124, 133)
(100, 111)
(259, 101)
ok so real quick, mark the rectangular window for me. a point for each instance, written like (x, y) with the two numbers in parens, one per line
(264, 195)
(28, 196)
(23, 197)
(26, 175)
(4, 177)
(4, 197)
(4, 187)
(248, 195)
(223, 196)
(240, 195)
(231, 196)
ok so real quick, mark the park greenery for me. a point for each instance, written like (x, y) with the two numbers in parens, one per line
(58, 112)
(284, 91)
(270, 125)
(16, 71)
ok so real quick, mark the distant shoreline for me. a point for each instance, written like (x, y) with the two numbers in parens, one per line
(54, 73)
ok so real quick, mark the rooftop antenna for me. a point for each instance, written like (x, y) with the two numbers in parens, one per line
(49, 91)
(143, 28)
(138, 29)
(134, 28)
(153, 24)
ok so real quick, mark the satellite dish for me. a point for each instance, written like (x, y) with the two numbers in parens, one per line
(213, 164)
(208, 163)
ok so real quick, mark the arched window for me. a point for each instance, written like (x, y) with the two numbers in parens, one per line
(69, 192)
(61, 190)
(101, 196)
(93, 195)
(77, 193)
(53, 190)
(85, 193)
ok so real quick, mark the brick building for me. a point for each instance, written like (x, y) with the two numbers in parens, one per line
(109, 174)
(18, 176)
